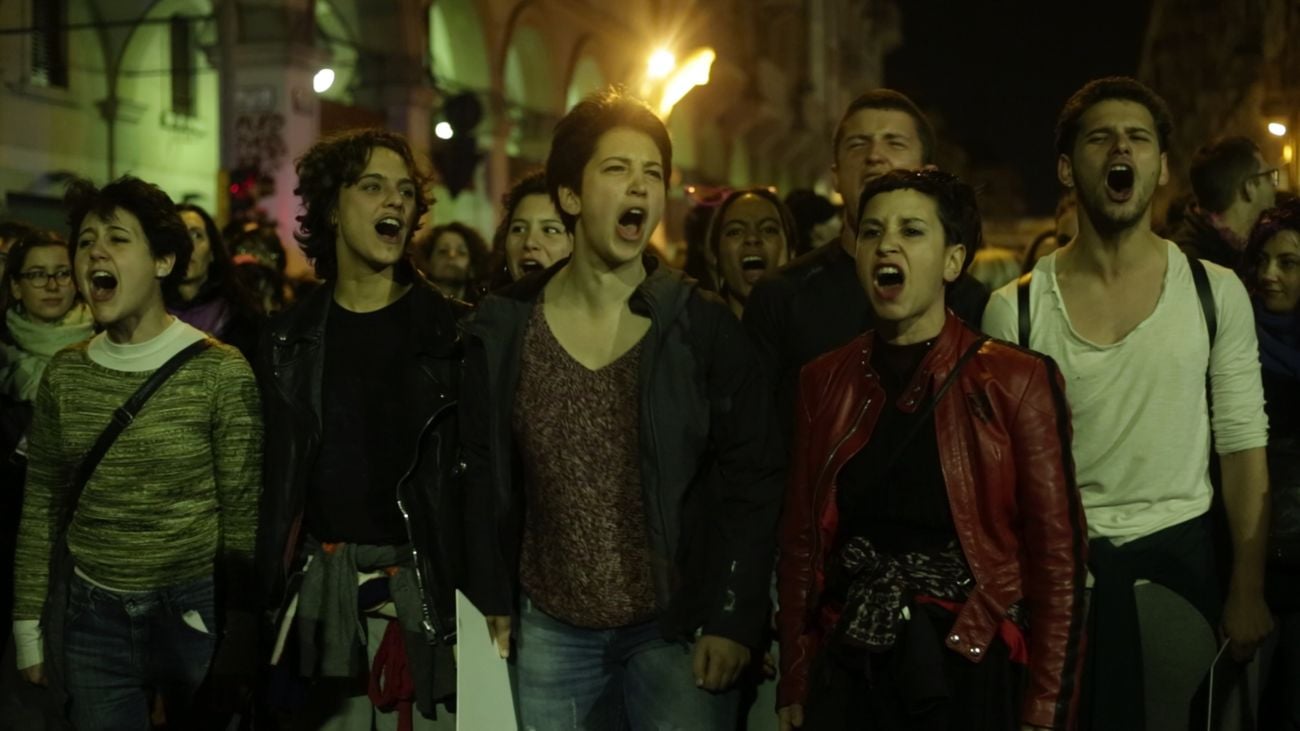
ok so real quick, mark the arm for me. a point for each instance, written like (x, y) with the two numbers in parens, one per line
(749, 461)
(1054, 545)
(48, 475)
(488, 582)
(1246, 618)
(237, 467)
(1240, 436)
(795, 569)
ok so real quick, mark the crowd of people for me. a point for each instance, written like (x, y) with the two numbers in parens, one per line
(836, 458)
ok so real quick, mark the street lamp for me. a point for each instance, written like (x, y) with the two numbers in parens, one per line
(323, 80)
(443, 131)
(669, 81)
(662, 62)
(1277, 129)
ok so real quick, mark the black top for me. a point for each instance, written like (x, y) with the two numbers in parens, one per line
(900, 503)
(364, 435)
(815, 304)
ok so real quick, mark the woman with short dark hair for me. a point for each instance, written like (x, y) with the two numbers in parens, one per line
(171, 508)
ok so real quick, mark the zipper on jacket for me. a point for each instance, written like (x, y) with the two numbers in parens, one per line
(817, 533)
(431, 621)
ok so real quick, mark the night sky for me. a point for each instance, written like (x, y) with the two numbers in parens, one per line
(998, 73)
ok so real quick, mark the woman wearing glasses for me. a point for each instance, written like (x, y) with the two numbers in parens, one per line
(44, 313)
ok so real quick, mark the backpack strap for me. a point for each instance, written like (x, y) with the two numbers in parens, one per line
(1205, 295)
(1022, 306)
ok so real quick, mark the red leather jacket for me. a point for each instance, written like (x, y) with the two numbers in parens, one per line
(1003, 432)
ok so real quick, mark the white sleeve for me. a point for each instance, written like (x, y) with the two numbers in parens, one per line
(1002, 314)
(1238, 415)
(27, 642)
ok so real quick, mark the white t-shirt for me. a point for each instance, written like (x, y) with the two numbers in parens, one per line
(1139, 409)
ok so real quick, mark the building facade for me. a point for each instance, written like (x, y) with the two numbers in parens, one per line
(185, 92)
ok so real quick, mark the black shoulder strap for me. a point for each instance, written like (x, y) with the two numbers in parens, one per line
(1206, 295)
(934, 402)
(1022, 306)
(122, 418)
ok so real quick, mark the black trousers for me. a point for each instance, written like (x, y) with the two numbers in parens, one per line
(919, 685)
(1181, 558)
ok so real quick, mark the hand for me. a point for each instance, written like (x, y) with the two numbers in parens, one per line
(769, 666)
(718, 662)
(791, 717)
(1246, 622)
(499, 630)
(35, 674)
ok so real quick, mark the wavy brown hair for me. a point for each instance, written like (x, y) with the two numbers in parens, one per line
(328, 166)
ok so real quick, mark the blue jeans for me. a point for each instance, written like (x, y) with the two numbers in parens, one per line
(119, 646)
(572, 679)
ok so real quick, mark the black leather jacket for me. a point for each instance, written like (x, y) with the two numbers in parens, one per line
(290, 364)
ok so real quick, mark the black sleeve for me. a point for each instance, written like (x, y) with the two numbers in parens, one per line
(766, 321)
(487, 580)
(750, 463)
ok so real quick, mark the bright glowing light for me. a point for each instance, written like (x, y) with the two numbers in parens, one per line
(692, 73)
(1277, 129)
(1288, 153)
(662, 63)
(443, 130)
(323, 80)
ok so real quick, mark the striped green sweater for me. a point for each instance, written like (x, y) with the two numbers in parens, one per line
(175, 494)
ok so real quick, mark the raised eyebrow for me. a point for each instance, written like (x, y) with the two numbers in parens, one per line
(914, 219)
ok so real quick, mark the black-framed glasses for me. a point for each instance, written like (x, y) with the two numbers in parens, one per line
(39, 278)
(1274, 176)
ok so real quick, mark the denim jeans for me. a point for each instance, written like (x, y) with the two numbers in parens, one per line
(120, 646)
(570, 678)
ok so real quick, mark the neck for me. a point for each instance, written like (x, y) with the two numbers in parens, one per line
(915, 329)
(1235, 223)
(451, 289)
(591, 282)
(142, 327)
(849, 240)
(189, 290)
(1108, 254)
(366, 290)
(736, 303)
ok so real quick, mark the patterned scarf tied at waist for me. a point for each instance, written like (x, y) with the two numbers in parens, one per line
(879, 586)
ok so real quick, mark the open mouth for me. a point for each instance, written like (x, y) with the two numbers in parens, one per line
(1119, 182)
(752, 267)
(889, 281)
(631, 224)
(388, 227)
(103, 285)
(528, 265)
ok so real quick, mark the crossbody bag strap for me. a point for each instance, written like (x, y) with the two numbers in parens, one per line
(924, 415)
(1022, 307)
(122, 418)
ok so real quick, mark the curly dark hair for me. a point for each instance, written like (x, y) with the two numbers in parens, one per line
(1120, 88)
(478, 248)
(578, 133)
(331, 164)
(955, 201)
(1283, 217)
(161, 222)
(532, 183)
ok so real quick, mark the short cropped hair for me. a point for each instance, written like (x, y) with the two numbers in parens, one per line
(890, 99)
(1120, 88)
(1218, 170)
(577, 134)
(159, 220)
(328, 166)
(955, 201)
